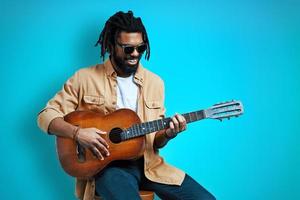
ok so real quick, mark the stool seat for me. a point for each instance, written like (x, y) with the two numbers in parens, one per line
(145, 195)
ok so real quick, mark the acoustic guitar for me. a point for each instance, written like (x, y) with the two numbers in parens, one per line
(125, 135)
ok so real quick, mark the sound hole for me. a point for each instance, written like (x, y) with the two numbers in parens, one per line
(115, 135)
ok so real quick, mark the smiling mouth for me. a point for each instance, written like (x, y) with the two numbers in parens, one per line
(132, 61)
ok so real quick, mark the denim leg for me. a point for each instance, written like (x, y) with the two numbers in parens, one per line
(118, 183)
(188, 190)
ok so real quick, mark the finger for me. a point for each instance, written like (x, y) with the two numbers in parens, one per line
(176, 124)
(102, 148)
(182, 122)
(97, 153)
(172, 127)
(99, 131)
(103, 141)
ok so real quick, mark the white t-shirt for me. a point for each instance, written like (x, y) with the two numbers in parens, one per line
(127, 92)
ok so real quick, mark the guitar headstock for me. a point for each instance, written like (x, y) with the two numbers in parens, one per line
(225, 110)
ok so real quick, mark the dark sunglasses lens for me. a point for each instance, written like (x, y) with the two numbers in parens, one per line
(128, 50)
(142, 48)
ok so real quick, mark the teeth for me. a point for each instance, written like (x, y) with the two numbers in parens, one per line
(133, 61)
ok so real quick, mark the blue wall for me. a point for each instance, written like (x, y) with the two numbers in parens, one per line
(206, 51)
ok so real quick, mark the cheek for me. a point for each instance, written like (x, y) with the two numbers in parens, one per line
(118, 51)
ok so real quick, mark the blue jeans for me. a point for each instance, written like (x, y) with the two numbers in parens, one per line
(123, 180)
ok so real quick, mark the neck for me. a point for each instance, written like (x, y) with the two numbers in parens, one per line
(149, 127)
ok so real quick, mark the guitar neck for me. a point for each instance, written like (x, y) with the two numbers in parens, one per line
(142, 129)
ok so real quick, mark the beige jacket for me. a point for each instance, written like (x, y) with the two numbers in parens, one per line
(94, 88)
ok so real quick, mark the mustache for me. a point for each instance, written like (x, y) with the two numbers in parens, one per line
(133, 57)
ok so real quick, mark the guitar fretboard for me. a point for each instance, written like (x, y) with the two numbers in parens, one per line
(138, 130)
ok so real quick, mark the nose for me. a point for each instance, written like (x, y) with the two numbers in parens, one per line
(134, 53)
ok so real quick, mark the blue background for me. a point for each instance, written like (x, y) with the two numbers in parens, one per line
(206, 51)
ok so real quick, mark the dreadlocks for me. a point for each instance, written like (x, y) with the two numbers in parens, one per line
(121, 22)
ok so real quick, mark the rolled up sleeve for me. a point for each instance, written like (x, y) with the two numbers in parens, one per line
(64, 102)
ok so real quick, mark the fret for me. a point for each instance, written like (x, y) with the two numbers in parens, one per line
(152, 126)
(197, 117)
(161, 124)
(187, 117)
(167, 122)
(200, 114)
(148, 126)
(190, 117)
(139, 130)
(157, 125)
(134, 130)
(124, 134)
(143, 128)
(194, 116)
(128, 133)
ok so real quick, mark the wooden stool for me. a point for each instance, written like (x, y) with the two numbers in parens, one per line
(145, 195)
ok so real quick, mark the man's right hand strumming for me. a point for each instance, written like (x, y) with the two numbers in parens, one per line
(87, 137)
(91, 138)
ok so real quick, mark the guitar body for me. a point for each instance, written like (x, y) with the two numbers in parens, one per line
(85, 164)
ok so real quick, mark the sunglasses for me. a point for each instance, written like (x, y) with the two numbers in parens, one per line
(129, 49)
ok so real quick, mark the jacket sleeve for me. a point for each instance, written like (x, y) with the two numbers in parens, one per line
(64, 102)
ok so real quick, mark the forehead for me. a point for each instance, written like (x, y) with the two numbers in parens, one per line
(130, 38)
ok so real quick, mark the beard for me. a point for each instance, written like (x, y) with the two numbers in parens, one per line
(123, 66)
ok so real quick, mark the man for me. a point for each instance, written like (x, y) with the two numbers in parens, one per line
(121, 82)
